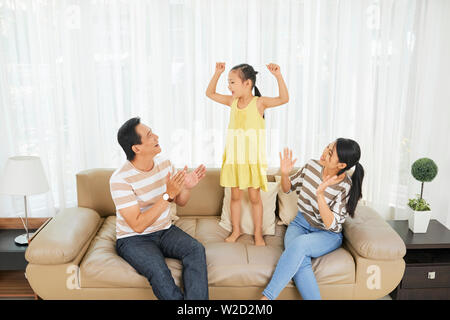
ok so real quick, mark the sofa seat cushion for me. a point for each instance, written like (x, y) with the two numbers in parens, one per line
(102, 267)
(239, 264)
(242, 264)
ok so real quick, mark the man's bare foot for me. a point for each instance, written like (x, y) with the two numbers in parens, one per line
(259, 241)
(233, 237)
(264, 298)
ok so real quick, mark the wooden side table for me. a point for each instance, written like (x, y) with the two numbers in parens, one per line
(427, 273)
(12, 265)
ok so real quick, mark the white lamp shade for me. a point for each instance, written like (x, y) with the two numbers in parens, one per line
(23, 175)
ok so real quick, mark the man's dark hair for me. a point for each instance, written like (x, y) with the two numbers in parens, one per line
(128, 137)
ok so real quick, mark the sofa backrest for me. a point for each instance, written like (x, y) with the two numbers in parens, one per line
(206, 198)
(93, 191)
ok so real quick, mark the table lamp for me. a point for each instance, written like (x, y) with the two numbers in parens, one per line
(24, 176)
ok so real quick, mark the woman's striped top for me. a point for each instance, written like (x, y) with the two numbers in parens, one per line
(305, 183)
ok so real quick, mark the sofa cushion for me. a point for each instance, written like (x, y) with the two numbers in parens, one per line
(268, 200)
(242, 264)
(287, 204)
(239, 264)
(93, 192)
(59, 244)
(102, 267)
(371, 236)
(198, 204)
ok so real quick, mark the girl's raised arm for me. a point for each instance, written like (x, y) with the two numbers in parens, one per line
(282, 89)
(211, 90)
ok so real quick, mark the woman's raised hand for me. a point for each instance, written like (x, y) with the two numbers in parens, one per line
(329, 181)
(286, 162)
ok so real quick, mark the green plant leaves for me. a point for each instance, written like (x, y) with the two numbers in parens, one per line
(424, 169)
(419, 205)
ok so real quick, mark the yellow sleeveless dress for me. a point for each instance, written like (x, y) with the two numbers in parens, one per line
(244, 162)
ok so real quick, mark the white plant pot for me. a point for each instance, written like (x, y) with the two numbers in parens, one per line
(418, 220)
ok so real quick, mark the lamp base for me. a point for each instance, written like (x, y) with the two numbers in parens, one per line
(22, 239)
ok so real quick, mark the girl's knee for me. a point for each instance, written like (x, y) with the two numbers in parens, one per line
(235, 194)
(254, 195)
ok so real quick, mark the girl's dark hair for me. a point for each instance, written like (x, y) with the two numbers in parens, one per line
(246, 72)
(128, 137)
(348, 152)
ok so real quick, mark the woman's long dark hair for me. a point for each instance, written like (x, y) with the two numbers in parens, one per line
(247, 72)
(348, 152)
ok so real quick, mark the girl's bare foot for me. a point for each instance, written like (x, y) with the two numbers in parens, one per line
(233, 237)
(259, 241)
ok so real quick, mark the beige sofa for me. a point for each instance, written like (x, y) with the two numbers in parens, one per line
(73, 256)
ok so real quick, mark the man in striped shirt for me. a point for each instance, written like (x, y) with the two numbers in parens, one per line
(142, 189)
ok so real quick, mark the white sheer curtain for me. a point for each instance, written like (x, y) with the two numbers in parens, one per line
(376, 71)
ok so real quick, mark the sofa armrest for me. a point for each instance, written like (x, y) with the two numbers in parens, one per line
(63, 237)
(372, 237)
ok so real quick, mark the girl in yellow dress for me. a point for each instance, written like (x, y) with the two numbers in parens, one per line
(244, 161)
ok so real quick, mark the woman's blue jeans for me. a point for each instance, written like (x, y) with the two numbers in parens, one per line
(302, 242)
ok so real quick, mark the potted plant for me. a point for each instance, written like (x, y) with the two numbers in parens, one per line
(423, 170)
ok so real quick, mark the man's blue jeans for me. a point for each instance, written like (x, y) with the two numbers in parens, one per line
(146, 254)
(302, 242)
